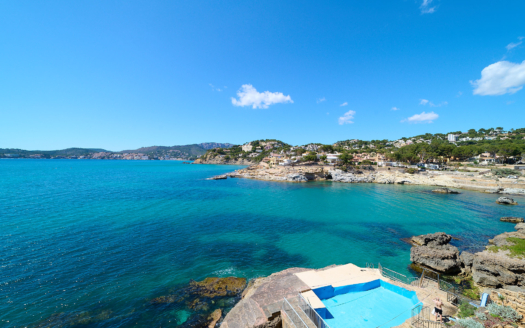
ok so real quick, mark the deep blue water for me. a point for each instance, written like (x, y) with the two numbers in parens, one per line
(107, 236)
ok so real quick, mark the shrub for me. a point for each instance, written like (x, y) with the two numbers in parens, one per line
(505, 172)
(470, 323)
(466, 310)
(481, 316)
(411, 170)
(504, 312)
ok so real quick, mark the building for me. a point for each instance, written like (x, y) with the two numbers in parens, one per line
(452, 137)
(247, 147)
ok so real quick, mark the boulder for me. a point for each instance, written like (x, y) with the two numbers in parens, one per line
(513, 191)
(432, 239)
(443, 258)
(445, 191)
(296, 177)
(511, 219)
(506, 201)
(494, 190)
(520, 227)
(467, 259)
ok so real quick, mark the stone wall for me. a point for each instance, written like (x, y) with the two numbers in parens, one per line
(515, 300)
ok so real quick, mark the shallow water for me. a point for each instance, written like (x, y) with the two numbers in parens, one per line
(107, 236)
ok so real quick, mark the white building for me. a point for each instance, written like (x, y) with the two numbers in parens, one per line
(452, 137)
(247, 147)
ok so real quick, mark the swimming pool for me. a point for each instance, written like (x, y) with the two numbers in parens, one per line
(367, 305)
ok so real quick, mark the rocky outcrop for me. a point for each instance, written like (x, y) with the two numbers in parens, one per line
(511, 219)
(506, 201)
(296, 177)
(432, 239)
(444, 190)
(341, 176)
(496, 270)
(513, 299)
(520, 227)
(218, 177)
(214, 317)
(443, 258)
(433, 251)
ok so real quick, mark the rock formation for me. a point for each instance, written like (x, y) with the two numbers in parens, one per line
(506, 201)
(511, 219)
(444, 190)
(341, 176)
(434, 252)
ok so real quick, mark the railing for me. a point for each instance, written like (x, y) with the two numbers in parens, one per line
(423, 318)
(369, 265)
(286, 320)
(294, 317)
(312, 313)
(396, 276)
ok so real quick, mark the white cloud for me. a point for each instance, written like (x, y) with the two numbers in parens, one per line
(248, 96)
(320, 100)
(395, 108)
(344, 104)
(431, 104)
(459, 94)
(214, 88)
(500, 78)
(422, 118)
(347, 118)
(425, 7)
(512, 45)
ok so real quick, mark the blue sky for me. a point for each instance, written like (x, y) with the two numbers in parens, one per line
(125, 74)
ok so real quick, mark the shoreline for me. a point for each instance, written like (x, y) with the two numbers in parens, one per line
(483, 181)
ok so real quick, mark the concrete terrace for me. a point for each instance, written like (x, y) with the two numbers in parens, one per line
(263, 300)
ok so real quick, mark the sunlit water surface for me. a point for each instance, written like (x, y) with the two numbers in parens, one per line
(107, 236)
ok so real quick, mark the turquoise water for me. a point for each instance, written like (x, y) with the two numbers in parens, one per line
(378, 307)
(105, 237)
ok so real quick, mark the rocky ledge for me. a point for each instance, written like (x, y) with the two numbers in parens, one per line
(506, 201)
(445, 191)
(511, 219)
(500, 265)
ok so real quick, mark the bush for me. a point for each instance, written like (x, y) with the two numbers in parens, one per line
(466, 310)
(505, 312)
(481, 316)
(505, 172)
(411, 170)
(470, 323)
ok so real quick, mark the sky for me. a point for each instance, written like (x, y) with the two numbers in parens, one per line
(127, 74)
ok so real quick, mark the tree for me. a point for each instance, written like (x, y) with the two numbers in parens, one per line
(323, 158)
(345, 158)
(310, 157)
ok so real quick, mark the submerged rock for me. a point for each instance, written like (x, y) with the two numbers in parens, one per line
(506, 201)
(445, 191)
(511, 219)
(218, 177)
(217, 287)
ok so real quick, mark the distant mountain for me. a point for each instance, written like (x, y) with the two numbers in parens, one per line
(211, 145)
(63, 152)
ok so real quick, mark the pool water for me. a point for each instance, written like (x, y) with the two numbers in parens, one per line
(384, 306)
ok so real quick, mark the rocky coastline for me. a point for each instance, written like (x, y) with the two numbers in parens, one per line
(447, 181)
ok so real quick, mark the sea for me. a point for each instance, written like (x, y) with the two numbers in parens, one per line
(90, 243)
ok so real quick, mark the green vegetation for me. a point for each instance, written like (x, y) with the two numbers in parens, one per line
(411, 170)
(505, 172)
(470, 323)
(503, 312)
(517, 250)
(466, 310)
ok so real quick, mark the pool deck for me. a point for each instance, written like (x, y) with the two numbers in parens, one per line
(351, 274)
